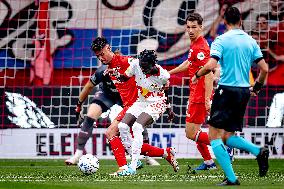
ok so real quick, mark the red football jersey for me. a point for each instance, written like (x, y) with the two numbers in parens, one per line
(198, 56)
(127, 90)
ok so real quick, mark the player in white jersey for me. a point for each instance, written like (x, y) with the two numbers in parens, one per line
(151, 103)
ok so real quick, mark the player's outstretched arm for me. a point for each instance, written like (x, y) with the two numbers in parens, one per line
(207, 68)
(182, 67)
(83, 95)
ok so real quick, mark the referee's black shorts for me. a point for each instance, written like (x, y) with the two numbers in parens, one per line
(228, 108)
(106, 101)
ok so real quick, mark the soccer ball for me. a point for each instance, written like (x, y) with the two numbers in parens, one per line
(88, 164)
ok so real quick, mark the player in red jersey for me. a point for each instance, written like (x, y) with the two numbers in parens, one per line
(128, 92)
(200, 93)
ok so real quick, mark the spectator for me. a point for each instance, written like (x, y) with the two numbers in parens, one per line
(262, 28)
(218, 27)
(276, 37)
(273, 14)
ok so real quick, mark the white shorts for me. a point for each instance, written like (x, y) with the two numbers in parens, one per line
(155, 107)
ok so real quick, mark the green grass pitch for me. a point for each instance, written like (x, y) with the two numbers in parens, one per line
(54, 174)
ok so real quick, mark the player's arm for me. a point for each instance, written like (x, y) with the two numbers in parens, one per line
(261, 77)
(182, 67)
(82, 97)
(215, 55)
(208, 89)
(169, 111)
(259, 60)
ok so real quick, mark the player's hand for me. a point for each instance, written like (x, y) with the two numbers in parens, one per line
(215, 82)
(208, 105)
(78, 110)
(194, 80)
(109, 72)
(122, 78)
(171, 114)
(252, 92)
(255, 89)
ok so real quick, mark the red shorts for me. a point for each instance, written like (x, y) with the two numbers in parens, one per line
(122, 113)
(196, 113)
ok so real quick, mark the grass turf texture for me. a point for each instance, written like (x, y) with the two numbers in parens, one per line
(54, 174)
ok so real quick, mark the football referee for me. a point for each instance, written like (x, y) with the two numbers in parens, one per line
(236, 51)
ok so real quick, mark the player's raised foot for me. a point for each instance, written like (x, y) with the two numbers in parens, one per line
(126, 172)
(74, 159)
(151, 161)
(226, 182)
(120, 169)
(170, 157)
(139, 165)
(204, 167)
(262, 160)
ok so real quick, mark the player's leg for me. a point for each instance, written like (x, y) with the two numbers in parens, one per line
(124, 130)
(222, 155)
(116, 145)
(149, 160)
(237, 112)
(151, 113)
(94, 112)
(195, 117)
(220, 117)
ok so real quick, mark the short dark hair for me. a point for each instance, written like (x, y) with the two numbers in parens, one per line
(261, 15)
(232, 15)
(98, 44)
(195, 17)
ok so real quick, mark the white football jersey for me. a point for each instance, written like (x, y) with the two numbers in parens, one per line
(149, 85)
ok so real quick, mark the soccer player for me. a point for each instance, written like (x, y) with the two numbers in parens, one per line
(200, 92)
(128, 92)
(105, 98)
(236, 51)
(152, 102)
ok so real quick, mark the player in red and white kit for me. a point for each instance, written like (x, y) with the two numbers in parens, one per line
(128, 92)
(152, 102)
(200, 93)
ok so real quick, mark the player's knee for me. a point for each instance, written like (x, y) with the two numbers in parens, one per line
(110, 133)
(190, 134)
(123, 127)
(137, 127)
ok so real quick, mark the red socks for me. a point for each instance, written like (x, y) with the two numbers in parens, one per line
(204, 151)
(151, 151)
(118, 151)
(202, 140)
(202, 137)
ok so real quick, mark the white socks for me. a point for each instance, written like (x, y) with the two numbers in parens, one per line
(137, 144)
(126, 137)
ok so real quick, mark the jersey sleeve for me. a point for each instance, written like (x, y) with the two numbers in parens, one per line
(164, 74)
(216, 48)
(130, 71)
(96, 78)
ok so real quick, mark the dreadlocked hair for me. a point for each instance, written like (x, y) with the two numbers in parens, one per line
(148, 56)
